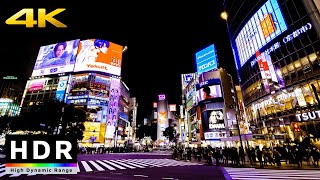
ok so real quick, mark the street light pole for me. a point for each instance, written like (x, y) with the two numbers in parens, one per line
(237, 110)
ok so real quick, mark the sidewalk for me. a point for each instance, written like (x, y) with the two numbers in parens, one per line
(283, 166)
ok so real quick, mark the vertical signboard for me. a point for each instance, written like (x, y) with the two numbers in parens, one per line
(113, 107)
(162, 116)
(61, 89)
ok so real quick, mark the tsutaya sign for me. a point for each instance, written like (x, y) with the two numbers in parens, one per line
(309, 115)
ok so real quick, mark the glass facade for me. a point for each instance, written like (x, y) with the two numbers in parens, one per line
(276, 47)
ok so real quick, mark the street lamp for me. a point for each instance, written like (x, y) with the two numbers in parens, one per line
(224, 15)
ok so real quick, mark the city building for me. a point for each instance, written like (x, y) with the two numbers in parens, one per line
(11, 90)
(209, 106)
(211, 110)
(276, 48)
(133, 117)
(86, 73)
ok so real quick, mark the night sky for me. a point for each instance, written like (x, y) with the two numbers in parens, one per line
(162, 39)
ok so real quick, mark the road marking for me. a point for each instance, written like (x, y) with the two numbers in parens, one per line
(63, 178)
(113, 164)
(2, 174)
(99, 168)
(86, 166)
(167, 178)
(132, 164)
(138, 175)
(106, 165)
(78, 168)
(2, 165)
(264, 174)
(15, 175)
(122, 164)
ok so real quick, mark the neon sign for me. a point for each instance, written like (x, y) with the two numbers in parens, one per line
(161, 97)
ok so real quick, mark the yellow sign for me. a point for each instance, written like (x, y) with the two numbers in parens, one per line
(92, 126)
(43, 17)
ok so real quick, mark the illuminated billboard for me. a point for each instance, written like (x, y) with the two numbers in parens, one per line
(56, 58)
(213, 119)
(99, 55)
(36, 85)
(209, 92)
(186, 78)
(265, 25)
(206, 59)
(113, 107)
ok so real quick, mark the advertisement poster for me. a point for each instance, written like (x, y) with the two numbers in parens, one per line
(113, 108)
(213, 119)
(36, 85)
(99, 55)
(265, 25)
(209, 92)
(56, 58)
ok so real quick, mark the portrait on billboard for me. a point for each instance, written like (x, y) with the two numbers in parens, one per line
(56, 58)
(216, 119)
(209, 92)
(99, 55)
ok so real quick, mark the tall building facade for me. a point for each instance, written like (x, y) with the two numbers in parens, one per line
(86, 73)
(210, 110)
(276, 48)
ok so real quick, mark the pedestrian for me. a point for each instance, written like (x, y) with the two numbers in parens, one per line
(259, 155)
(209, 157)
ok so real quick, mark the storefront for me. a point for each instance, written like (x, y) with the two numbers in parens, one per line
(275, 114)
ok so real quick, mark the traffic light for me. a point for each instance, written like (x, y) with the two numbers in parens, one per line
(296, 127)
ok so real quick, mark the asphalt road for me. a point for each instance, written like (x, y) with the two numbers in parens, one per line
(133, 166)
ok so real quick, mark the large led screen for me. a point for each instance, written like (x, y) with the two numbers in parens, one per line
(265, 25)
(99, 55)
(209, 92)
(56, 58)
(206, 59)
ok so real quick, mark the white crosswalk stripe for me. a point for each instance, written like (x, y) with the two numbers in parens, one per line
(264, 174)
(132, 164)
(146, 153)
(112, 165)
(86, 166)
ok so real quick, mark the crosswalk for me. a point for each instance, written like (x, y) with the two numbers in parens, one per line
(146, 153)
(112, 165)
(267, 174)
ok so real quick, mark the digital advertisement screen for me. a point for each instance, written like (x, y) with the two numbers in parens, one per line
(213, 119)
(36, 85)
(209, 92)
(99, 55)
(56, 58)
(206, 59)
(265, 25)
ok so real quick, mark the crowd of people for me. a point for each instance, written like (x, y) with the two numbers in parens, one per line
(233, 156)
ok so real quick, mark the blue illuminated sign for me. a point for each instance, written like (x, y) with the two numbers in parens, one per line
(206, 59)
(123, 116)
(265, 25)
